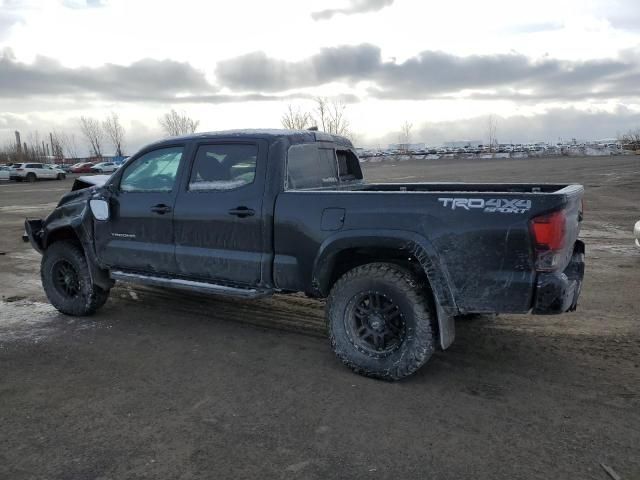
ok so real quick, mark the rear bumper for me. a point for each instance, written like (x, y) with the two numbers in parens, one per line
(558, 292)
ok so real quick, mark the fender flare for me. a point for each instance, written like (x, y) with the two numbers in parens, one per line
(81, 223)
(416, 246)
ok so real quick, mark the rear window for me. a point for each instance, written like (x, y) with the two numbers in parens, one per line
(348, 166)
(311, 167)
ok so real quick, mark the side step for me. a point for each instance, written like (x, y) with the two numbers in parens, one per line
(194, 286)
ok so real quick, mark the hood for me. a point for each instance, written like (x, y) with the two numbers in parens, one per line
(89, 181)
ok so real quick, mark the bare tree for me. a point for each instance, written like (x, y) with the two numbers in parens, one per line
(295, 118)
(174, 123)
(405, 135)
(115, 131)
(331, 117)
(35, 151)
(9, 152)
(68, 144)
(631, 140)
(492, 127)
(56, 147)
(92, 131)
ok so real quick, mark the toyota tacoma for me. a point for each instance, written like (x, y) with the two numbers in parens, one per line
(250, 213)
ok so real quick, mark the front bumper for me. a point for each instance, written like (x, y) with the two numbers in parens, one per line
(558, 292)
(33, 233)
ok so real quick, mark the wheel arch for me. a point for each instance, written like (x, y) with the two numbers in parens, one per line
(78, 229)
(348, 249)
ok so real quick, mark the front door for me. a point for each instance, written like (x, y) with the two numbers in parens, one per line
(139, 233)
(218, 215)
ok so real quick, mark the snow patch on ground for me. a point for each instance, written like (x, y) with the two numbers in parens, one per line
(24, 320)
(28, 208)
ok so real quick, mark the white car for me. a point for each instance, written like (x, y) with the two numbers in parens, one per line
(104, 167)
(4, 172)
(31, 172)
(636, 233)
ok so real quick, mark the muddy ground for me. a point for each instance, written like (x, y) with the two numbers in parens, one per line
(169, 385)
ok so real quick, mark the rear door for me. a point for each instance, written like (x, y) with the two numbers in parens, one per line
(218, 215)
(49, 172)
(139, 233)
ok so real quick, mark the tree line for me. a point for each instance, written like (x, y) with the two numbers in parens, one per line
(97, 135)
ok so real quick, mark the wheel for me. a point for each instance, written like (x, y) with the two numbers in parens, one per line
(66, 280)
(31, 177)
(60, 176)
(379, 321)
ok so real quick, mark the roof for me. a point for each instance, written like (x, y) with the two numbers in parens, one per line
(295, 136)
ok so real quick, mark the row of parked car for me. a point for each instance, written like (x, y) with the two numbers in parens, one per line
(32, 171)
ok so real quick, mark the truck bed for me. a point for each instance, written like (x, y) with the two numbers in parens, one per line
(478, 235)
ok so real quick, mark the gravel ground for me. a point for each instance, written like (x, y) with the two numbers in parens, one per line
(161, 384)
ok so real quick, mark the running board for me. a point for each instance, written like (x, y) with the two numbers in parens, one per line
(194, 286)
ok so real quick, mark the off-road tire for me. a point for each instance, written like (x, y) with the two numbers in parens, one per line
(31, 177)
(89, 297)
(417, 310)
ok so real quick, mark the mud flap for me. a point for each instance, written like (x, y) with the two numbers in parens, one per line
(446, 327)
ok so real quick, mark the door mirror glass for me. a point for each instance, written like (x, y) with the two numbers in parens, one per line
(100, 209)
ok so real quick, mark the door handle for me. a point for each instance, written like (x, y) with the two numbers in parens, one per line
(161, 209)
(242, 212)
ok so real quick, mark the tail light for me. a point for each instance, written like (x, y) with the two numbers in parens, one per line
(549, 236)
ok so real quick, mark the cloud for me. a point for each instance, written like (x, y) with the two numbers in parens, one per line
(565, 123)
(145, 79)
(621, 14)
(355, 7)
(78, 4)
(434, 74)
(11, 13)
(256, 71)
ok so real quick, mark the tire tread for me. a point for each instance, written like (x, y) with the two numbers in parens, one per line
(413, 358)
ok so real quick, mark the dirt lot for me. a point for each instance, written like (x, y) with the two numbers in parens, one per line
(168, 385)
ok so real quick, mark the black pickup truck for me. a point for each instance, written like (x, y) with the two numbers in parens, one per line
(250, 213)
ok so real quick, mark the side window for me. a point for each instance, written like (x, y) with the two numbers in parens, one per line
(348, 165)
(310, 167)
(153, 172)
(223, 167)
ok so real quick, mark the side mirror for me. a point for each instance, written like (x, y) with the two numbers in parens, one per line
(100, 209)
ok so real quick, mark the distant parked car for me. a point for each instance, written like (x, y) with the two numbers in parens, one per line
(65, 168)
(31, 172)
(4, 173)
(104, 167)
(83, 167)
(58, 167)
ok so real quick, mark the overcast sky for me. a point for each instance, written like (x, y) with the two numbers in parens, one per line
(545, 69)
